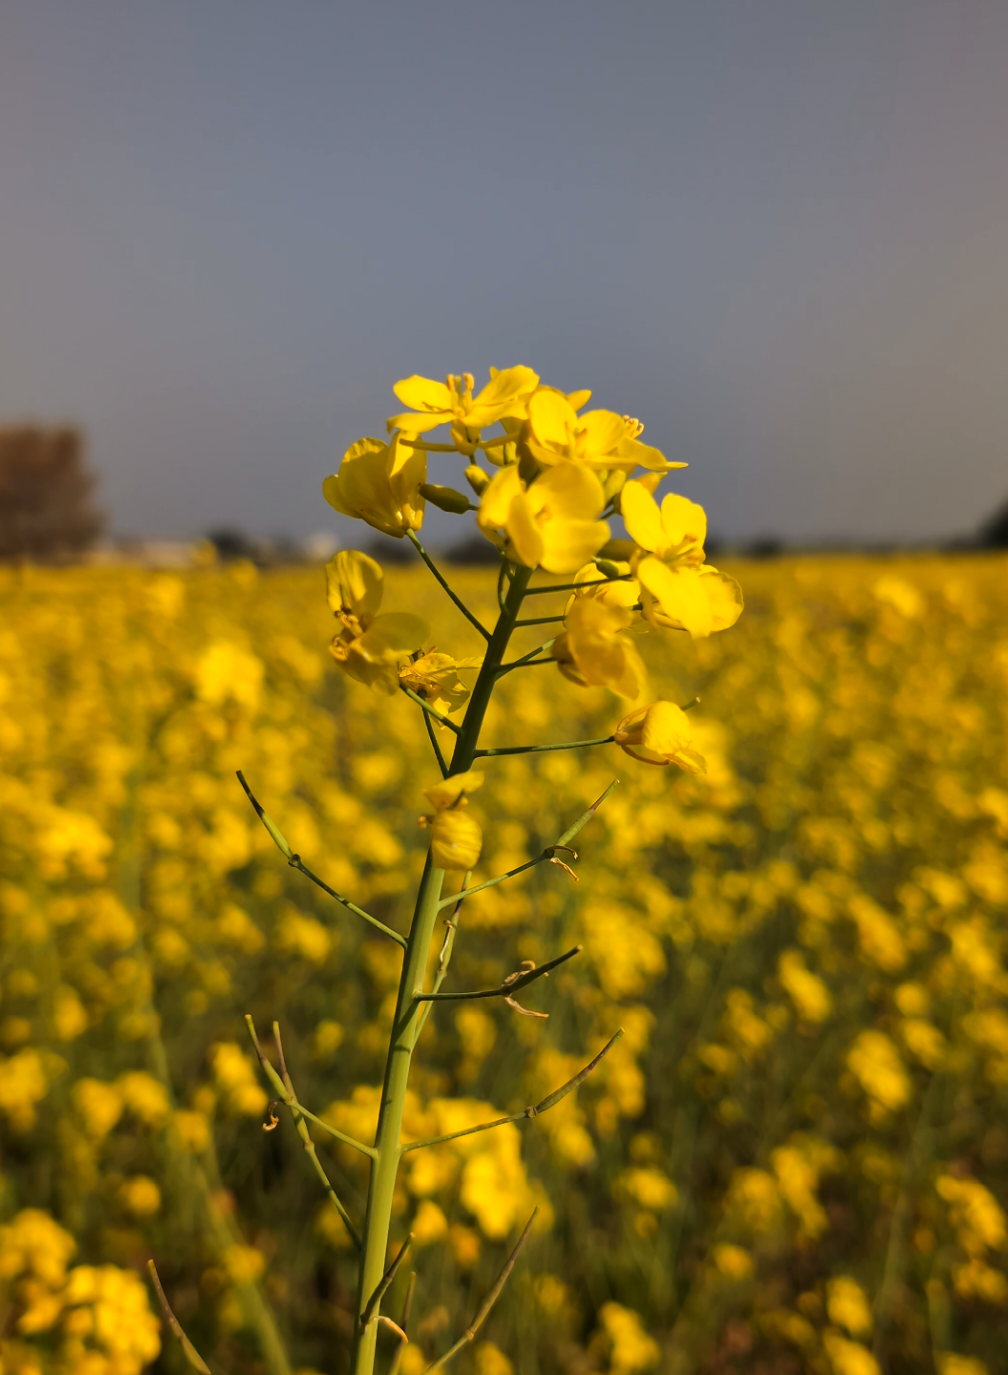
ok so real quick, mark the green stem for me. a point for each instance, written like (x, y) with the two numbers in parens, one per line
(575, 586)
(539, 620)
(438, 575)
(539, 749)
(435, 746)
(528, 660)
(406, 1022)
(431, 711)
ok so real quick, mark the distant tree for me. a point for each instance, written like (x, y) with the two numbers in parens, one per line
(45, 494)
(994, 532)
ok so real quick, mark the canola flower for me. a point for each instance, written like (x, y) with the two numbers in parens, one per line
(840, 868)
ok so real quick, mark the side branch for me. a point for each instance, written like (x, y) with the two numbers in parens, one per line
(431, 711)
(295, 862)
(577, 586)
(511, 984)
(190, 1352)
(550, 1101)
(287, 1096)
(529, 660)
(487, 1303)
(541, 749)
(473, 621)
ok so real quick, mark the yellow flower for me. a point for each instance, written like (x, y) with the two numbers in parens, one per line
(452, 403)
(550, 523)
(434, 677)
(679, 590)
(380, 483)
(660, 734)
(593, 583)
(601, 439)
(456, 838)
(592, 652)
(369, 646)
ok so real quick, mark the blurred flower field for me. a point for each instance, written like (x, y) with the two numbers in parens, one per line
(796, 1159)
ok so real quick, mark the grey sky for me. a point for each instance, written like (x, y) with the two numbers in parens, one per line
(777, 232)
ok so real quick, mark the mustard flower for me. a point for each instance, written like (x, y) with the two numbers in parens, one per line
(550, 523)
(456, 837)
(592, 651)
(369, 646)
(435, 678)
(555, 433)
(660, 734)
(452, 402)
(679, 590)
(591, 582)
(380, 483)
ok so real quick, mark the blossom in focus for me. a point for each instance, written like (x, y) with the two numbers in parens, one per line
(601, 439)
(452, 402)
(592, 651)
(550, 523)
(660, 734)
(679, 590)
(369, 646)
(380, 483)
(622, 591)
(456, 837)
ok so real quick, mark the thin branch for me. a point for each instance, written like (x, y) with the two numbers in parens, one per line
(576, 586)
(538, 620)
(295, 862)
(403, 1321)
(190, 1352)
(550, 1101)
(500, 581)
(487, 1303)
(431, 711)
(542, 749)
(444, 958)
(548, 854)
(473, 620)
(286, 1095)
(374, 1302)
(435, 746)
(529, 659)
(509, 987)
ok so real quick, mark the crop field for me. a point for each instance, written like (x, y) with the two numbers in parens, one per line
(796, 1157)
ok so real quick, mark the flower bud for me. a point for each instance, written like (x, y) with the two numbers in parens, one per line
(456, 840)
(477, 479)
(445, 498)
(660, 734)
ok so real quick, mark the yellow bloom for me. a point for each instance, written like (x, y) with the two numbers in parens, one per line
(601, 439)
(679, 590)
(552, 522)
(434, 677)
(592, 652)
(452, 403)
(380, 483)
(660, 734)
(593, 583)
(369, 646)
(456, 838)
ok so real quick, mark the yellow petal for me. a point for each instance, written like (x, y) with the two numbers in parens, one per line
(390, 636)
(568, 490)
(552, 418)
(504, 386)
(523, 532)
(456, 841)
(724, 596)
(682, 520)
(602, 432)
(361, 487)
(681, 595)
(666, 729)
(567, 543)
(424, 394)
(407, 473)
(642, 517)
(578, 398)
(497, 498)
(354, 583)
(449, 790)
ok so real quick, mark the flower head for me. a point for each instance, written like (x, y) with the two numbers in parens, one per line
(380, 483)
(592, 652)
(679, 590)
(435, 678)
(452, 402)
(550, 523)
(369, 646)
(600, 439)
(660, 734)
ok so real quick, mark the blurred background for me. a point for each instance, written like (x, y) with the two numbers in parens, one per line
(776, 233)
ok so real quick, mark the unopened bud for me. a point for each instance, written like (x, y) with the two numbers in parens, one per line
(477, 479)
(445, 498)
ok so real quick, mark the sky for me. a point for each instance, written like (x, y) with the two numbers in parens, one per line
(776, 232)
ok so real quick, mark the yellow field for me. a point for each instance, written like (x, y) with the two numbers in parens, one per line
(797, 1154)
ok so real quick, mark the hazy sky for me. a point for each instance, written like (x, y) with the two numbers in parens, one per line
(777, 232)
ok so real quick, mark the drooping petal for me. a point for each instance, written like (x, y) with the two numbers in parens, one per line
(601, 434)
(568, 491)
(419, 423)
(567, 543)
(407, 473)
(354, 583)
(456, 840)
(497, 498)
(361, 487)
(724, 596)
(524, 534)
(642, 516)
(391, 635)
(447, 792)
(682, 597)
(683, 520)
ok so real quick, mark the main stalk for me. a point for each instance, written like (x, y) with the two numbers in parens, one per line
(404, 1026)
